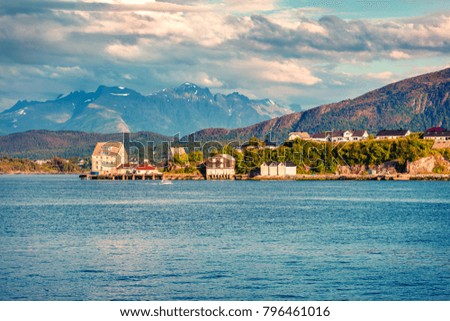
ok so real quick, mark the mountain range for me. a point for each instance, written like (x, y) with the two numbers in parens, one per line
(184, 109)
(416, 103)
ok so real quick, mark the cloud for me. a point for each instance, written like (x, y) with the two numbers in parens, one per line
(286, 71)
(127, 52)
(249, 46)
(251, 5)
(386, 75)
(397, 54)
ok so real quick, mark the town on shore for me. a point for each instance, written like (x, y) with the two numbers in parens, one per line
(349, 154)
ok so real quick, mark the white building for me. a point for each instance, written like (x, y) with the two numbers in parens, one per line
(220, 166)
(298, 135)
(107, 157)
(339, 136)
(278, 169)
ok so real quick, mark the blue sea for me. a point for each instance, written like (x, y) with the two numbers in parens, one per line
(66, 239)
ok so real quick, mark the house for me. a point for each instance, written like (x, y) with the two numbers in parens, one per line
(107, 157)
(392, 134)
(298, 135)
(339, 136)
(264, 169)
(321, 137)
(220, 166)
(273, 169)
(290, 168)
(359, 135)
(279, 169)
(437, 133)
(146, 170)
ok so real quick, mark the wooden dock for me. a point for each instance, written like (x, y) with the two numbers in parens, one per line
(124, 177)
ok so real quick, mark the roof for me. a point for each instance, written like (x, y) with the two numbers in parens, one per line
(437, 134)
(399, 132)
(359, 133)
(107, 148)
(319, 135)
(435, 130)
(287, 164)
(354, 133)
(300, 134)
(229, 157)
(146, 167)
(338, 133)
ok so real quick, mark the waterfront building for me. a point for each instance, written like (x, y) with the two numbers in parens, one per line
(279, 169)
(108, 157)
(264, 169)
(273, 169)
(146, 169)
(220, 166)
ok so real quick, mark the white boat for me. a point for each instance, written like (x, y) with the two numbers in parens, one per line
(165, 182)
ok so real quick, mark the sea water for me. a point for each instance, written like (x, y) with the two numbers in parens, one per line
(66, 239)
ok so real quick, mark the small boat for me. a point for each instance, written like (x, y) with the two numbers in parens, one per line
(165, 182)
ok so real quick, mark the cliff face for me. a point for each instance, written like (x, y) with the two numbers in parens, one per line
(415, 103)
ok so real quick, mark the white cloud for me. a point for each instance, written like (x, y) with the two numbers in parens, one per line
(386, 75)
(250, 5)
(252, 46)
(398, 54)
(285, 71)
(121, 51)
(200, 78)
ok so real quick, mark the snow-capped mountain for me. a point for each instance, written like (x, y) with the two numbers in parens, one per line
(184, 109)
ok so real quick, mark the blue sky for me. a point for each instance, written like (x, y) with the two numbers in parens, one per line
(295, 52)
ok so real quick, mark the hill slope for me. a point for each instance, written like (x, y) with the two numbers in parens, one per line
(43, 144)
(415, 103)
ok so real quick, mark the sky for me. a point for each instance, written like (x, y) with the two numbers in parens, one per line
(299, 52)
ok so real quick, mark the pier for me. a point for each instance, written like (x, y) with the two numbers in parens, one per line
(123, 177)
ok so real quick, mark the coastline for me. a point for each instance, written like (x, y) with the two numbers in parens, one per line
(299, 177)
(355, 177)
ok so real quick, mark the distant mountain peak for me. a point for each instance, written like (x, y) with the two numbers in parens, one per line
(186, 108)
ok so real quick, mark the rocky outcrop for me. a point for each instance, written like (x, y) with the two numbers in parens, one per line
(428, 165)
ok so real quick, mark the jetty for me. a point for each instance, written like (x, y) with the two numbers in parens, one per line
(122, 177)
